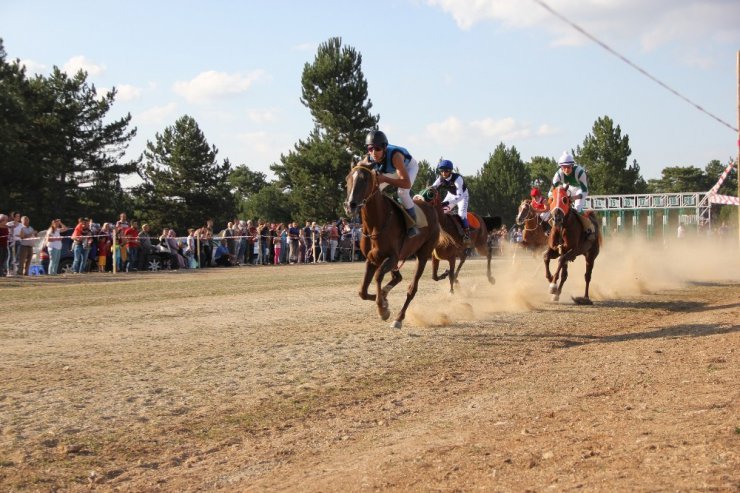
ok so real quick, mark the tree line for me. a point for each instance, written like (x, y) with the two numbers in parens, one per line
(60, 157)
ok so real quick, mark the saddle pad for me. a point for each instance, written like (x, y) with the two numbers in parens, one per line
(473, 221)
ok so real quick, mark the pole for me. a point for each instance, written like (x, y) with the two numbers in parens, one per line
(737, 163)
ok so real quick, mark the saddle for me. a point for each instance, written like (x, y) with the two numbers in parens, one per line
(421, 218)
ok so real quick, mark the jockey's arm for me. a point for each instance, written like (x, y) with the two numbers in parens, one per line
(403, 180)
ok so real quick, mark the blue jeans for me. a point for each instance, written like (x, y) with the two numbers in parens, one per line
(54, 255)
(132, 259)
(80, 262)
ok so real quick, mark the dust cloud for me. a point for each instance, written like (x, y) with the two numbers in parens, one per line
(624, 268)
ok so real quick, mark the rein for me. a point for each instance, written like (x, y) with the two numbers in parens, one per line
(375, 187)
(531, 214)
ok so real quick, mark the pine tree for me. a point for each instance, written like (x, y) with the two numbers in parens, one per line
(500, 185)
(183, 183)
(335, 92)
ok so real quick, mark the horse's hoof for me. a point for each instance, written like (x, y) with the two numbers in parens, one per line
(555, 297)
(553, 289)
(396, 324)
(385, 315)
(578, 300)
(492, 280)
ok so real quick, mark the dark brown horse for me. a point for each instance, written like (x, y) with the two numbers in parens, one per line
(567, 241)
(533, 234)
(384, 242)
(451, 246)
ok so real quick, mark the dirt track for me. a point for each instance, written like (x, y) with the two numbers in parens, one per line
(270, 379)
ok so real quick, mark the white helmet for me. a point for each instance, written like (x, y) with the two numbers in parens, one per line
(566, 159)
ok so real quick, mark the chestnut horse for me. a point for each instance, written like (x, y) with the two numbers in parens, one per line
(567, 241)
(384, 242)
(451, 245)
(533, 235)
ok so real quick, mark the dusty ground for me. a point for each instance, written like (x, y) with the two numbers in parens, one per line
(282, 379)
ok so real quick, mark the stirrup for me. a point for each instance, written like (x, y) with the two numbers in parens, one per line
(412, 231)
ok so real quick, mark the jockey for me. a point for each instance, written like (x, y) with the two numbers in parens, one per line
(395, 166)
(457, 193)
(540, 206)
(574, 176)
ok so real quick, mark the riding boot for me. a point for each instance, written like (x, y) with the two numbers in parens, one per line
(412, 230)
(466, 238)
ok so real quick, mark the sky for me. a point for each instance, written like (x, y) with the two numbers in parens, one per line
(449, 78)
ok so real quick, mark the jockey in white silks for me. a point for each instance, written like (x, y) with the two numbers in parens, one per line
(457, 193)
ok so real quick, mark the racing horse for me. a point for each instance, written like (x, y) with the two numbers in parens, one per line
(567, 241)
(451, 246)
(533, 234)
(384, 242)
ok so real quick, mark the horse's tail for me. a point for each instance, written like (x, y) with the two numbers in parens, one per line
(445, 240)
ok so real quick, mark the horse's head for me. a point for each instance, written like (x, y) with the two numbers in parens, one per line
(430, 196)
(525, 208)
(559, 204)
(361, 184)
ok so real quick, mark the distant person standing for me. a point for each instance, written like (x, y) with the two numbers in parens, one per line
(28, 238)
(681, 232)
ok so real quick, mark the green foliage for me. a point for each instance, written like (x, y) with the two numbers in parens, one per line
(426, 175)
(541, 170)
(183, 184)
(58, 157)
(680, 179)
(335, 91)
(271, 203)
(604, 155)
(499, 187)
(315, 174)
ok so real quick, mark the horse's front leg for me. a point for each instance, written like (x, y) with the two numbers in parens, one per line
(382, 296)
(549, 255)
(413, 287)
(435, 269)
(370, 269)
(453, 274)
(562, 272)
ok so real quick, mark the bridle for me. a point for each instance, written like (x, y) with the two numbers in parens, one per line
(531, 214)
(374, 189)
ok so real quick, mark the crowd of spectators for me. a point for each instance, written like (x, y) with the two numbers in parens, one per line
(127, 246)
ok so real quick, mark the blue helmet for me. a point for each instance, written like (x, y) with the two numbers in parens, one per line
(445, 164)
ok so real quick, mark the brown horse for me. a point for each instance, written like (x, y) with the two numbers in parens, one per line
(533, 234)
(567, 241)
(384, 242)
(451, 245)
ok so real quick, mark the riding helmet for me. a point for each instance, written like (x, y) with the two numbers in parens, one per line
(376, 138)
(566, 159)
(445, 164)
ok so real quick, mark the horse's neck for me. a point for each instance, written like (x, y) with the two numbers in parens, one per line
(376, 211)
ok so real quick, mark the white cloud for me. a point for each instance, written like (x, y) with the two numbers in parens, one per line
(33, 67)
(263, 116)
(210, 85)
(654, 23)
(127, 92)
(157, 114)
(449, 131)
(306, 47)
(77, 63)
(264, 147)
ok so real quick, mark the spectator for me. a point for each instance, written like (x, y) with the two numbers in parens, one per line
(277, 244)
(333, 241)
(680, 232)
(293, 234)
(241, 231)
(54, 245)
(14, 241)
(105, 244)
(131, 234)
(81, 237)
(308, 242)
(121, 226)
(4, 234)
(145, 245)
(283, 244)
(27, 237)
(322, 233)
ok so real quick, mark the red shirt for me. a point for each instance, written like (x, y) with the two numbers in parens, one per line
(539, 204)
(131, 237)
